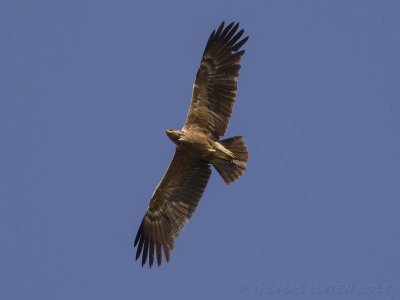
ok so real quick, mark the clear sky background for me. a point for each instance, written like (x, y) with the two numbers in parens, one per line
(87, 90)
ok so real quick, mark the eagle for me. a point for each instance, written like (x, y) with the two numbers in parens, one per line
(198, 146)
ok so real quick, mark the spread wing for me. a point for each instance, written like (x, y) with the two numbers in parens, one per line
(172, 204)
(214, 89)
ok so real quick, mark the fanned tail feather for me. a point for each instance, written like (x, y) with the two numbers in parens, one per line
(231, 172)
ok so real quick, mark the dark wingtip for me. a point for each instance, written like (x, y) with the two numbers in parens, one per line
(139, 233)
(139, 249)
(145, 251)
(227, 35)
(151, 254)
(240, 44)
(219, 30)
(226, 30)
(231, 33)
(233, 40)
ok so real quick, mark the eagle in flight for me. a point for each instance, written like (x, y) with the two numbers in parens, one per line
(197, 146)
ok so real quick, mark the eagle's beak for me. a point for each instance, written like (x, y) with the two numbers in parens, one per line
(169, 133)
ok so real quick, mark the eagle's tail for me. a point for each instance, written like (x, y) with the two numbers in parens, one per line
(232, 171)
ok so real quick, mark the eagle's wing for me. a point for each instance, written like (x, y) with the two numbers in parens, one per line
(172, 204)
(214, 89)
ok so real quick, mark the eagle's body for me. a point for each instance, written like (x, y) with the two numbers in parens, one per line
(198, 145)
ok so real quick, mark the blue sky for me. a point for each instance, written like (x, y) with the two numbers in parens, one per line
(87, 90)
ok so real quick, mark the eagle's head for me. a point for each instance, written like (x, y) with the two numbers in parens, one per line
(174, 135)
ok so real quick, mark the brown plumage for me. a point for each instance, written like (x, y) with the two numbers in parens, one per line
(197, 146)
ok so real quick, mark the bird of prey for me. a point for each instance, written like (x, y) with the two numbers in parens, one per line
(198, 145)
